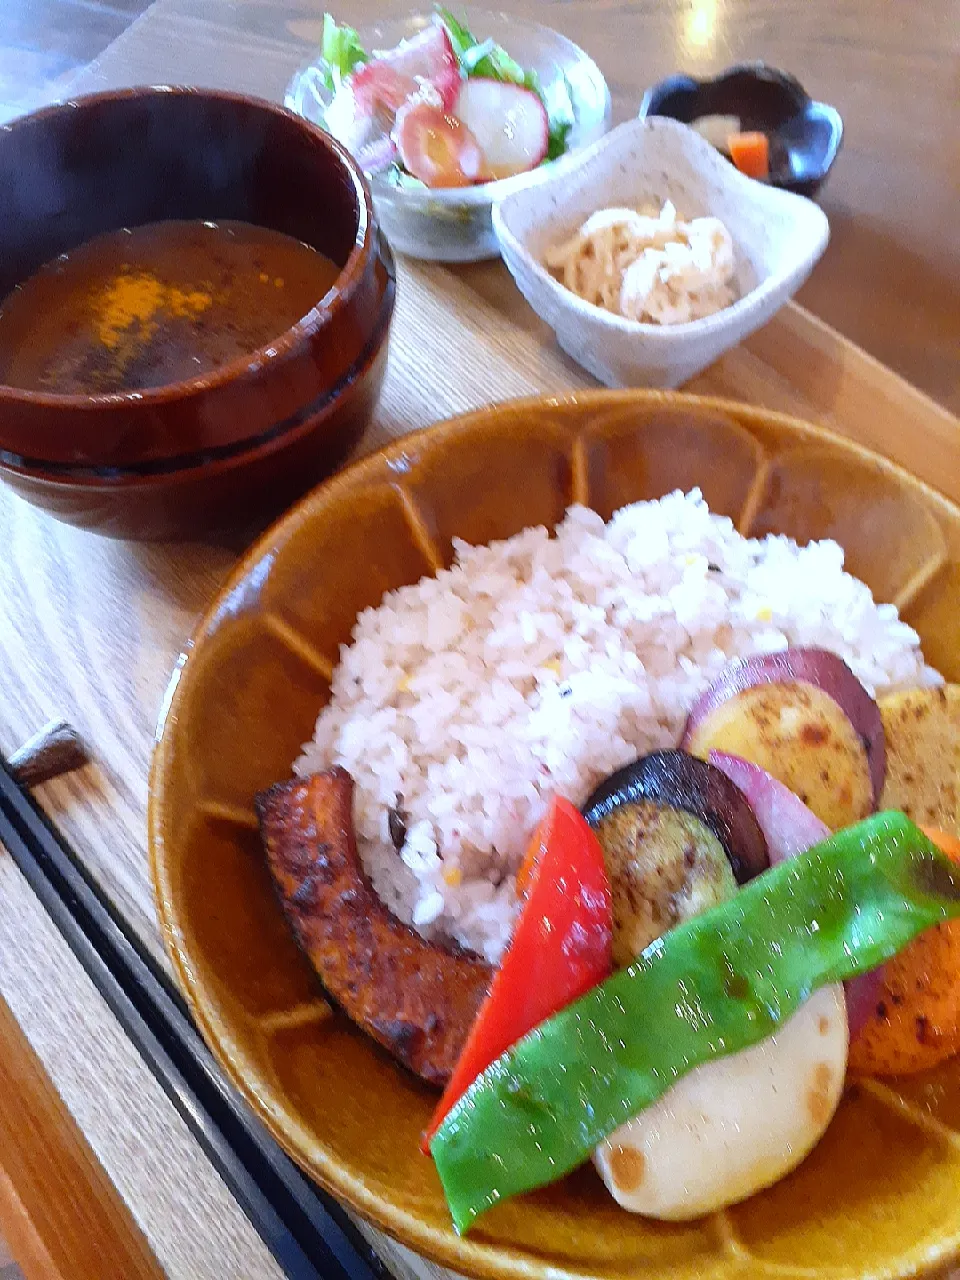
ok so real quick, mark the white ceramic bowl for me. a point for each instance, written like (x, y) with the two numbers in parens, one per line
(778, 237)
(455, 225)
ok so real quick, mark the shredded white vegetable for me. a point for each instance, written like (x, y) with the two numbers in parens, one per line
(649, 266)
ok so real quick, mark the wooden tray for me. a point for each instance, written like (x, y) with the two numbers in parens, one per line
(91, 630)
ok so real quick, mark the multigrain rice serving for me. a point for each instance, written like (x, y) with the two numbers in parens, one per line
(539, 665)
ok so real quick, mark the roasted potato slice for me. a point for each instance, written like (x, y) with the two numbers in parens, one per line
(922, 728)
(734, 1125)
(805, 665)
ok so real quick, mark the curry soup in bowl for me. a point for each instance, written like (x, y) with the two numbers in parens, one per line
(145, 307)
(194, 302)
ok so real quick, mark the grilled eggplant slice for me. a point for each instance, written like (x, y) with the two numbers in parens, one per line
(665, 866)
(675, 780)
(416, 998)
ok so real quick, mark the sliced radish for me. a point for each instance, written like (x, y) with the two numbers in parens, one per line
(509, 122)
(786, 822)
(436, 148)
(365, 107)
(676, 780)
(790, 828)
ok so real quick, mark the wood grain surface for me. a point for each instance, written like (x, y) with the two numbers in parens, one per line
(58, 1209)
(90, 629)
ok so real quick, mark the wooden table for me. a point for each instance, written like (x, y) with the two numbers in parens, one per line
(90, 629)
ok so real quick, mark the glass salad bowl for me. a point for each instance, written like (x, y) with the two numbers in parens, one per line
(455, 224)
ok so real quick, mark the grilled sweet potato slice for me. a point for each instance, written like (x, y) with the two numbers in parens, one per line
(416, 998)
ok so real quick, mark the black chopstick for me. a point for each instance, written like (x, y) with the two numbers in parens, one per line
(307, 1232)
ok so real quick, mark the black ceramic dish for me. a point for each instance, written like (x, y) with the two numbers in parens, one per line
(805, 135)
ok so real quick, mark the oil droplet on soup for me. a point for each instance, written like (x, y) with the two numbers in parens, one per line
(154, 305)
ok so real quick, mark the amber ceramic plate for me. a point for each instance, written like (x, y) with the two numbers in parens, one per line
(878, 1196)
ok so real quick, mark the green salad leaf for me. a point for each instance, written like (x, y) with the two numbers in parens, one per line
(462, 39)
(341, 52)
(560, 113)
(558, 140)
(405, 181)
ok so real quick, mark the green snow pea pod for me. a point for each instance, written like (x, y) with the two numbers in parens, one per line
(710, 987)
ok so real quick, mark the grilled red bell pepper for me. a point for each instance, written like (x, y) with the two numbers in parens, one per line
(560, 949)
